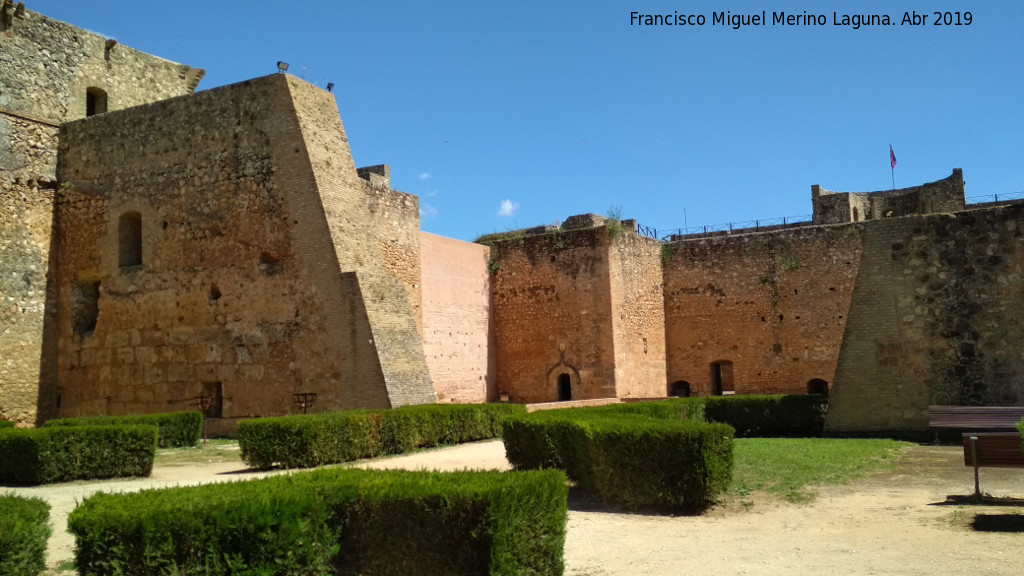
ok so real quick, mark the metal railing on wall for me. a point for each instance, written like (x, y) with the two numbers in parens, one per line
(667, 235)
(991, 198)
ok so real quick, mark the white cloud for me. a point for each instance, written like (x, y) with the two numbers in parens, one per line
(425, 176)
(427, 212)
(508, 208)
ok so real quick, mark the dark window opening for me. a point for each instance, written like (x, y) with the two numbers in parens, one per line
(214, 391)
(817, 386)
(214, 293)
(95, 101)
(85, 309)
(680, 389)
(129, 240)
(564, 388)
(722, 379)
(855, 214)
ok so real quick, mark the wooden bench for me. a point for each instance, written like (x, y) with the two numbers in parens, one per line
(975, 417)
(992, 450)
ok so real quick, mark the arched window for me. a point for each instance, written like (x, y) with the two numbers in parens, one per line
(129, 240)
(564, 388)
(95, 101)
(680, 389)
(817, 386)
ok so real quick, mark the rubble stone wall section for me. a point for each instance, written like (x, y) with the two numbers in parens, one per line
(552, 307)
(774, 305)
(935, 319)
(225, 294)
(638, 316)
(47, 67)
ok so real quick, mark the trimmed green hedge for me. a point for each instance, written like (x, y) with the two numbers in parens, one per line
(344, 521)
(635, 462)
(177, 429)
(769, 416)
(45, 455)
(313, 440)
(6, 424)
(24, 531)
(751, 416)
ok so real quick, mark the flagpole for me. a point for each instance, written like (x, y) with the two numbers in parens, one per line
(892, 166)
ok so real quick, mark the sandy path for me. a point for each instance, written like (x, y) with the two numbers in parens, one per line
(894, 523)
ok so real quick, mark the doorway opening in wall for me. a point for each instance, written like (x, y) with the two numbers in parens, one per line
(817, 386)
(564, 388)
(95, 101)
(721, 378)
(680, 389)
(129, 240)
(216, 391)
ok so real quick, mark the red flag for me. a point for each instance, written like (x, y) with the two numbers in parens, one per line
(892, 158)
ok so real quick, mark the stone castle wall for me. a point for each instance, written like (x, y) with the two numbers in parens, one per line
(638, 316)
(240, 286)
(935, 319)
(552, 315)
(46, 69)
(558, 300)
(457, 337)
(941, 196)
(774, 305)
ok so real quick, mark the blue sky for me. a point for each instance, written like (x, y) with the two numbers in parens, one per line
(504, 115)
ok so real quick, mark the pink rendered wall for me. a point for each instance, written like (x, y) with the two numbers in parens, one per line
(456, 319)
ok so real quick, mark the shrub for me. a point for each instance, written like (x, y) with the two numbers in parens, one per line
(177, 429)
(750, 416)
(61, 454)
(343, 521)
(317, 439)
(6, 424)
(634, 462)
(769, 416)
(1020, 430)
(24, 531)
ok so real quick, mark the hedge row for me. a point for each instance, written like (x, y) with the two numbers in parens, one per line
(24, 531)
(313, 440)
(635, 462)
(6, 424)
(45, 455)
(751, 416)
(331, 521)
(177, 429)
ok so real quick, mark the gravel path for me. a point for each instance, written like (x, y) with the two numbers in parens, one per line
(893, 523)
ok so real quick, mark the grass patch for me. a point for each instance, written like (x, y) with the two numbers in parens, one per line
(214, 452)
(790, 467)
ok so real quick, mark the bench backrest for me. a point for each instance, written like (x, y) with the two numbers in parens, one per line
(995, 450)
(977, 417)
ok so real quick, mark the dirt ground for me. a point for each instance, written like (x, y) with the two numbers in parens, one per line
(899, 522)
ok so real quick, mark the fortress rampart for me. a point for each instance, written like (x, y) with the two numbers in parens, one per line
(157, 246)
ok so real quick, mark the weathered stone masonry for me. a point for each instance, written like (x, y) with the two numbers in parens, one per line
(50, 72)
(156, 245)
(246, 285)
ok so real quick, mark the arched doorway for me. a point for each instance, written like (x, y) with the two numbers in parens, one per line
(721, 378)
(564, 388)
(817, 386)
(679, 389)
